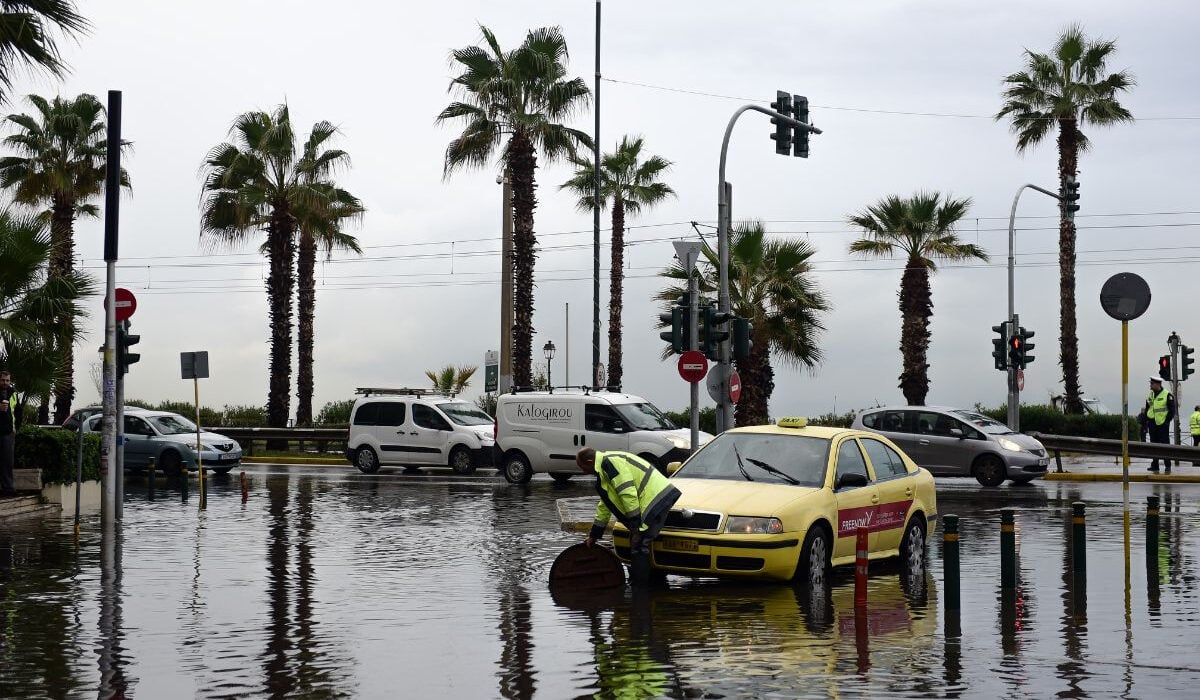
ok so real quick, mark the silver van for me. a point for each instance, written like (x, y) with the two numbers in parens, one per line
(958, 442)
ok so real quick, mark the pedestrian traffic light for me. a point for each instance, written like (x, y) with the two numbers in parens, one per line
(1185, 362)
(783, 130)
(1164, 367)
(1026, 346)
(124, 340)
(1015, 345)
(675, 319)
(800, 134)
(711, 332)
(742, 331)
(999, 351)
(1070, 198)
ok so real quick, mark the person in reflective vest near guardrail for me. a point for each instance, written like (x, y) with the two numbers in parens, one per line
(1160, 409)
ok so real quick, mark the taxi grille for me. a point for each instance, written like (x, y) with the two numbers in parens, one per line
(740, 563)
(684, 519)
(685, 561)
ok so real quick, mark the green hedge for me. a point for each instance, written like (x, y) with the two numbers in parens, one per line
(1047, 419)
(53, 451)
(683, 419)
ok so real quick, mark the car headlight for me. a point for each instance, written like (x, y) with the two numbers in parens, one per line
(1009, 445)
(679, 442)
(745, 525)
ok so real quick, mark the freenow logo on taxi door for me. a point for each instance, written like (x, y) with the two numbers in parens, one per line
(884, 516)
(544, 414)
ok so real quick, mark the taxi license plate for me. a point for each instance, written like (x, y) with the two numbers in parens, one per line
(678, 545)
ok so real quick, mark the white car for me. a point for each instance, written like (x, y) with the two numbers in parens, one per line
(417, 427)
(170, 439)
(540, 431)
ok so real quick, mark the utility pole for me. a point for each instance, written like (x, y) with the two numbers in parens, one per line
(112, 202)
(596, 221)
(688, 253)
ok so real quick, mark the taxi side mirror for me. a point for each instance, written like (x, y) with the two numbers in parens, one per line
(673, 467)
(851, 479)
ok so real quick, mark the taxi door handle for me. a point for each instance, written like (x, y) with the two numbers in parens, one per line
(908, 491)
(874, 499)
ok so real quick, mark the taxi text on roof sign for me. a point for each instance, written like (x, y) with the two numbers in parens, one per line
(792, 422)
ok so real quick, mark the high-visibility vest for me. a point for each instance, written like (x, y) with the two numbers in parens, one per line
(1194, 421)
(629, 488)
(1157, 410)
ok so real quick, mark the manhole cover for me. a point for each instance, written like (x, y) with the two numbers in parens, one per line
(581, 567)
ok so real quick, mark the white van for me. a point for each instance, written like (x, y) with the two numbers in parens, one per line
(417, 427)
(538, 431)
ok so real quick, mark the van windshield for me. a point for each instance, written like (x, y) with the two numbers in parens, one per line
(464, 413)
(643, 416)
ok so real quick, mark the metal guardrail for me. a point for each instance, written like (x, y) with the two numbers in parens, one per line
(1101, 446)
(304, 434)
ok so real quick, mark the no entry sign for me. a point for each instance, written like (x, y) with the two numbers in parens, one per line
(693, 365)
(125, 305)
(735, 387)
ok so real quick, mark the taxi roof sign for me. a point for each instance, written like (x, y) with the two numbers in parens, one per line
(792, 422)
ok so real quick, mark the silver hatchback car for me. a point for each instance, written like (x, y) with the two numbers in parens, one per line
(957, 442)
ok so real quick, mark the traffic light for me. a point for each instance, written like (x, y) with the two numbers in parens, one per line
(800, 135)
(1185, 362)
(742, 330)
(1164, 367)
(1026, 346)
(711, 333)
(783, 130)
(124, 341)
(675, 319)
(1070, 198)
(999, 352)
(1016, 346)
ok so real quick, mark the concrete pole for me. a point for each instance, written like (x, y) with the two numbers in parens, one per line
(1173, 344)
(596, 221)
(694, 344)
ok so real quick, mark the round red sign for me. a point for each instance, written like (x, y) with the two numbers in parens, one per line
(1020, 380)
(125, 305)
(735, 386)
(693, 365)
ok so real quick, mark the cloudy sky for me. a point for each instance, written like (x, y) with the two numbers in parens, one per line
(903, 89)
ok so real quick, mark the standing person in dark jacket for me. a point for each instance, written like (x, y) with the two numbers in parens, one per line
(1160, 411)
(8, 436)
(637, 494)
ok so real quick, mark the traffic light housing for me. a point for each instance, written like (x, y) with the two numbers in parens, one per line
(799, 134)
(1015, 350)
(675, 319)
(124, 341)
(742, 331)
(783, 130)
(999, 347)
(711, 334)
(1070, 197)
(1185, 362)
(1026, 347)
(1164, 367)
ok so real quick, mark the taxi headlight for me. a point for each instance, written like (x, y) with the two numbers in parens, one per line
(744, 525)
(1009, 445)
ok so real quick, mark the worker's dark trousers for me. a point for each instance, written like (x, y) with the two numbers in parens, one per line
(1160, 434)
(640, 569)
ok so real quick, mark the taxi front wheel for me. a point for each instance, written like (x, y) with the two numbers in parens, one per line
(814, 558)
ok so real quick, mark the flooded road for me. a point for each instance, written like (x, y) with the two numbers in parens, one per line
(327, 583)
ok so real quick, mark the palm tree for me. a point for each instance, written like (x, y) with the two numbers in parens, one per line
(920, 228)
(451, 380)
(27, 36)
(32, 304)
(60, 165)
(1065, 88)
(630, 184)
(260, 183)
(771, 284)
(319, 223)
(522, 95)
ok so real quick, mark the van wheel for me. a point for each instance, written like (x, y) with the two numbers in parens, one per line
(517, 469)
(560, 477)
(460, 460)
(366, 460)
(989, 470)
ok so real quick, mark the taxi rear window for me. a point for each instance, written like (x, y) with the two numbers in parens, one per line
(761, 457)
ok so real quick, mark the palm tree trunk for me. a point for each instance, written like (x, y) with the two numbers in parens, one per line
(916, 306)
(281, 280)
(1068, 160)
(522, 162)
(61, 263)
(758, 383)
(306, 312)
(616, 279)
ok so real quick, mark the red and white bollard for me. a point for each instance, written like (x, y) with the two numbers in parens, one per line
(860, 568)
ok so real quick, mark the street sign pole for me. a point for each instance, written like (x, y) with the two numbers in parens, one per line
(1124, 297)
(1173, 344)
(112, 202)
(688, 254)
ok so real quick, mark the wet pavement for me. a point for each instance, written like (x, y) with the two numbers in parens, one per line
(328, 583)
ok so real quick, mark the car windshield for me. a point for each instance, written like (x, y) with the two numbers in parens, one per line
(644, 416)
(464, 413)
(762, 457)
(983, 423)
(172, 424)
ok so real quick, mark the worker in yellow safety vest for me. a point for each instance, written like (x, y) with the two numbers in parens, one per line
(1160, 409)
(638, 495)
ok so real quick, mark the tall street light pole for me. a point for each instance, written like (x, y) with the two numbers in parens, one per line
(596, 221)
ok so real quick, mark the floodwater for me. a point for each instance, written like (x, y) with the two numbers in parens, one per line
(327, 583)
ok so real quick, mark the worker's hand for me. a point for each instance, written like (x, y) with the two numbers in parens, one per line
(589, 541)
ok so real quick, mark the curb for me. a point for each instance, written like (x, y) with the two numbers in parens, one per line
(1142, 478)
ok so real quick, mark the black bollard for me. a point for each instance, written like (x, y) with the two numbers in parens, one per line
(1008, 550)
(1152, 532)
(1078, 541)
(183, 483)
(950, 568)
(150, 479)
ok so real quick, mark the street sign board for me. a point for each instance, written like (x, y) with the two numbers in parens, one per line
(1125, 296)
(693, 365)
(688, 252)
(491, 371)
(125, 304)
(194, 365)
(735, 386)
(713, 381)
(601, 377)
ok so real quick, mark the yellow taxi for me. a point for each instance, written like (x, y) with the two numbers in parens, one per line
(785, 502)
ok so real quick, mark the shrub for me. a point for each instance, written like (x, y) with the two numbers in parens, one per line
(334, 413)
(243, 417)
(53, 451)
(1049, 420)
(834, 420)
(708, 418)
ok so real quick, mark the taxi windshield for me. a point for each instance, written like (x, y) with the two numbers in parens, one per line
(464, 413)
(769, 458)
